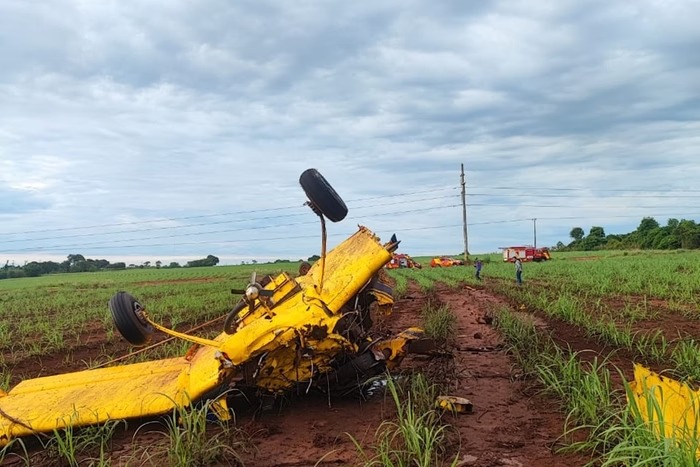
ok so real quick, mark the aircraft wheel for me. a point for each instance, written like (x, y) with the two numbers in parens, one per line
(322, 196)
(133, 328)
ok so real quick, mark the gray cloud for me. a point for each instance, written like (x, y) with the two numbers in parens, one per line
(125, 112)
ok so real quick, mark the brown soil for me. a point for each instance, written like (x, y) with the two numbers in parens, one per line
(511, 423)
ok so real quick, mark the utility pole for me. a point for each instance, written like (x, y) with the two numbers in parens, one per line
(464, 215)
(534, 228)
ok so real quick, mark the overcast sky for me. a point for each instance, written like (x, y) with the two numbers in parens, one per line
(169, 130)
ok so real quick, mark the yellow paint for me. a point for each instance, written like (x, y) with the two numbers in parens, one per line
(671, 408)
(453, 404)
(289, 336)
(94, 396)
(395, 349)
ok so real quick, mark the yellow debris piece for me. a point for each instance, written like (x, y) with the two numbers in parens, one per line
(114, 393)
(454, 404)
(670, 408)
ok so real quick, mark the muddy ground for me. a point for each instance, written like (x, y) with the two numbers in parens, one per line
(511, 423)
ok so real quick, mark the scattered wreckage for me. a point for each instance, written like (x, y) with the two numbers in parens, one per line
(286, 332)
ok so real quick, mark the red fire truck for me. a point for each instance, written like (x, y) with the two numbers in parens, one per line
(525, 253)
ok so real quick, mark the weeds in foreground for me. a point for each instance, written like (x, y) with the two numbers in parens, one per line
(686, 357)
(401, 287)
(417, 436)
(585, 388)
(8, 451)
(92, 444)
(638, 435)
(439, 322)
(652, 345)
(618, 430)
(191, 444)
(5, 380)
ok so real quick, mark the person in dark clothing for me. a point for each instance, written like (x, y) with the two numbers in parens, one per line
(477, 266)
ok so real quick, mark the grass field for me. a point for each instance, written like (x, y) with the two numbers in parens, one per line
(622, 307)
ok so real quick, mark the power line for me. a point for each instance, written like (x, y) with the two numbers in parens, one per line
(549, 195)
(529, 219)
(286, 237)
(226, 242)
(82, 245)
(204, 216)
(207, 224)
(521, 189)
(566, 206)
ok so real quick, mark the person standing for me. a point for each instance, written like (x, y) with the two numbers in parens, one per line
(477, 266)
(518, 271)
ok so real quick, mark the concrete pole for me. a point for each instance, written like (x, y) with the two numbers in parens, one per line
(534, 227)
(464, 215)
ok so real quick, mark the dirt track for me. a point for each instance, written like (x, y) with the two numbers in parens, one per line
(510, 424)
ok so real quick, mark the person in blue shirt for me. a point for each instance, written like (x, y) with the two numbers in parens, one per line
(477, 265)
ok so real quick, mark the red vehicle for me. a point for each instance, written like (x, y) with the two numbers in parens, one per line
(402, 261)
(445, 262)
(525, 253)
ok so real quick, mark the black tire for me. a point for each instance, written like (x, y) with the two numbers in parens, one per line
(123, 307)
(323, 196)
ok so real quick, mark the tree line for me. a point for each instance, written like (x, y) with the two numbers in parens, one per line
(649, 235)
(78, 263)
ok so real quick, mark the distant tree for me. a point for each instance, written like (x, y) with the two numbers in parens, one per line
(83, 266)
(15, 273)
(672, 224)
(689, 234)
(72, 259)
(577, 233)
(313, 258)
(670, 242)
(647, 225)
(174, 264)
(50, 267)
(560, 245)
(597, 232)
(594, 240)
(210, 260)
(101, 263)
(159, 263)
(146, 264)
(33, 269)
(255, 261)
(76, 263)
(119, 265)
(613, 243)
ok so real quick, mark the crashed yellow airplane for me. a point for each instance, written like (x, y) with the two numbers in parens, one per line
(285, 332)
